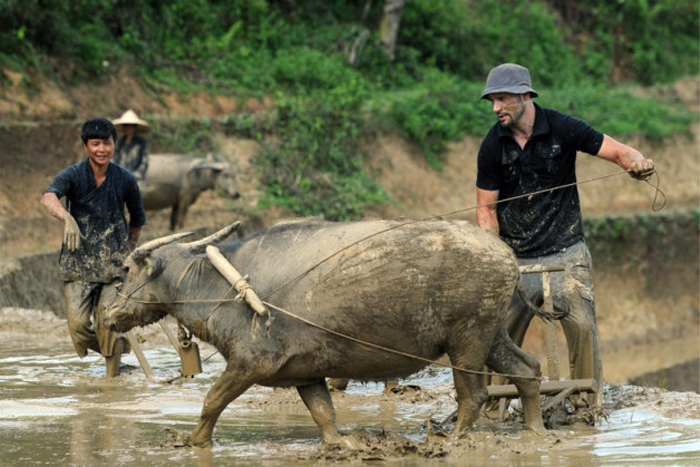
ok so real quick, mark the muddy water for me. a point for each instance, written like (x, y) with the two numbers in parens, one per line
(59, 410)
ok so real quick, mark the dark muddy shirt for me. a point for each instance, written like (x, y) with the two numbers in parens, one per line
(545, 223)
(99, 212)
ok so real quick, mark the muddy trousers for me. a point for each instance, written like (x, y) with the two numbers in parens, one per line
(83, 312)
(574, 304)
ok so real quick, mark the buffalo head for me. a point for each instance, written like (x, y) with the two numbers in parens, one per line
(226, 181)
(149, 290)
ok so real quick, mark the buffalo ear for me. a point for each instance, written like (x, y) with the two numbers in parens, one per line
(152, 267)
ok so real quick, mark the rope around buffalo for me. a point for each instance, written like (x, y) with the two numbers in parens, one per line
(219, 301)
(658, 192)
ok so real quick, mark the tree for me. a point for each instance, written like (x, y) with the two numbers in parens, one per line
(389, 27)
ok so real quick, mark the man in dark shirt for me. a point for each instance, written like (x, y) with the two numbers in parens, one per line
(96, 236)
(531, 150)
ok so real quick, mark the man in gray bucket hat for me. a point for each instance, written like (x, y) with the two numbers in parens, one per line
(526, 194)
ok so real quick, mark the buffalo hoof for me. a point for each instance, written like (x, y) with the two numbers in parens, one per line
(179, 439)
(347, 442)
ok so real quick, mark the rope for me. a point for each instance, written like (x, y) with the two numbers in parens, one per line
(472, 208)
(336, 333)
(657, 192)
(219, 302)
(394, 351)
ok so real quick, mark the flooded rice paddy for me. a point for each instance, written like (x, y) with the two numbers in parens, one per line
(56, 409)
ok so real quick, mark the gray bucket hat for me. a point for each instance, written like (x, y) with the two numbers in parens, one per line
(509, 77)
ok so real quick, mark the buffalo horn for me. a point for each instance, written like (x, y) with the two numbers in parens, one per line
(199, 245)
(148, 247)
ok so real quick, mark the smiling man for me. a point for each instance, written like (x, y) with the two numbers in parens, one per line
(96, 235)
(532, 150)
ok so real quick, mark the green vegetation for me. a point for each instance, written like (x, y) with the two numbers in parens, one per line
(317, 163)
(584, 60)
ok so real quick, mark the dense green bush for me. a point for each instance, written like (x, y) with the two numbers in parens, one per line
(652, 41)
(560, 41)
(315, 168)
(440, 109)
(33, 30)
(469, 38)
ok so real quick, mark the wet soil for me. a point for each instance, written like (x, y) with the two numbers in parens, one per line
(58, 409)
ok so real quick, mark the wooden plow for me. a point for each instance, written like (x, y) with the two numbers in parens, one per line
(555, 387)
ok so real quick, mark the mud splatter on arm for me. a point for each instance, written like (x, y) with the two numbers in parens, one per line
(626, 157)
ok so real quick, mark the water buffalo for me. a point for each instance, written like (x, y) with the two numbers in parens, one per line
(421, 289)
(176, 180)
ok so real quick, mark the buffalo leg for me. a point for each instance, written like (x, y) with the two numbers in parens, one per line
(183, 204)
(181, 215)
(174, 216)
(471, 395)
(317, 399)
(506, 357)
(229, 386)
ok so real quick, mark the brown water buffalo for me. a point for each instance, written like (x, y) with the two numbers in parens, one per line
(421, 289)
(176, 181)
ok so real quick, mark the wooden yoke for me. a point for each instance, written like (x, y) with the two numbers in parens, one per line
(240, 283)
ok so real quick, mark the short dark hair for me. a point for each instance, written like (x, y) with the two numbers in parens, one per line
(98, 128)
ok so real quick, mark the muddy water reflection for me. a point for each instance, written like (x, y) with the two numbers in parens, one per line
(56, 409)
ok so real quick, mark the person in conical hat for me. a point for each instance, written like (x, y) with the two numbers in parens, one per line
(131, 151)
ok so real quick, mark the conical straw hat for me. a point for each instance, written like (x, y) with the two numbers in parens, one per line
(130, 118)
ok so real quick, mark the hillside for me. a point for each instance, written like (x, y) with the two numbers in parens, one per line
(39, 136)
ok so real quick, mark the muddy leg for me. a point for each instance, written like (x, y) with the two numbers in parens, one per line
(584, 352)
(229, 386)
(574, 290)
(81, 299)
(506, 357)
(318, 400)
(471, 393)
(520, 314)
(114, 360)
